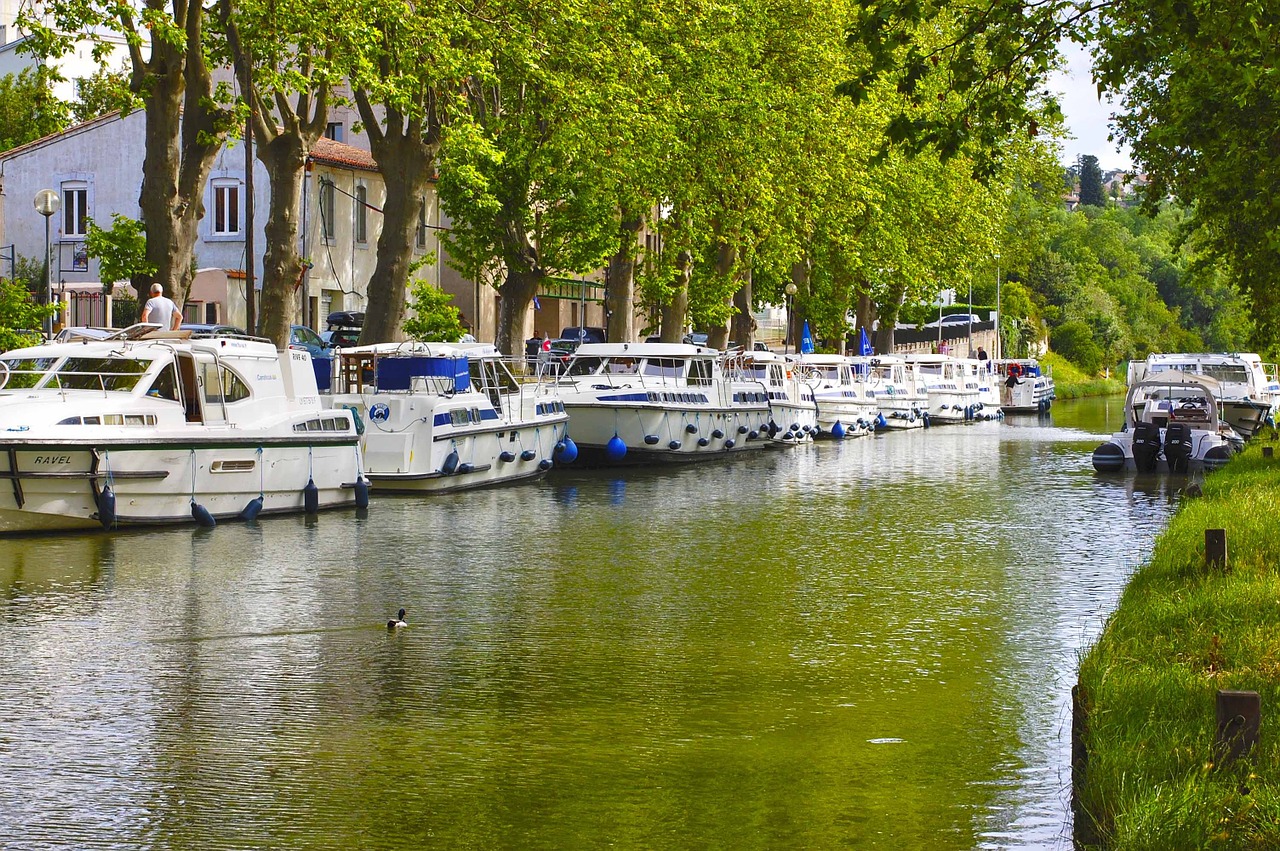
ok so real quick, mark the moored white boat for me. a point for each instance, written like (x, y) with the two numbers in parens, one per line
(793, 411)
(1172, 424)
(441, 417)
(899, 391)
(846, 404)
(1248, 394)
(154, 427)
(1023, 386)
(953, 394)
(634, 403)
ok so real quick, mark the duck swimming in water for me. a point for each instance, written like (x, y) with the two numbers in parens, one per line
(398, 621)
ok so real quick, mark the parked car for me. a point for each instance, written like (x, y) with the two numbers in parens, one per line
(696, 338)
(302, 337)
(952, 319)
(556, 357)
(585, 334)
(338, 338)
(202, 329)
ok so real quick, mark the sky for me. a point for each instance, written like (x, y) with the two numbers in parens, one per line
(1086, 115)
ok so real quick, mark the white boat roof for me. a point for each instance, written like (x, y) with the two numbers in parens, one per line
(824, 359)
(643, 350)
(931, 358)
(148, 348)
(1177, 378)
(1201, 357)
(410, 348)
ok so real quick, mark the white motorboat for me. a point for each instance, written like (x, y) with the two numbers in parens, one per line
(1171, 424)
(1024, 386)
(900, 393)
(152, 426)
(441, 417)
(846, 404)
(638, 402)
(1248, 393)
(953, 393)
(793, 411)
(978, 376)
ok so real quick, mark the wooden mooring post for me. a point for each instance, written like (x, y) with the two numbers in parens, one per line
(1215, 548)
(1239, 723)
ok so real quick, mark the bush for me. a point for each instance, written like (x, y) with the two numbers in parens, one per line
(434, 319)
(1075, 341)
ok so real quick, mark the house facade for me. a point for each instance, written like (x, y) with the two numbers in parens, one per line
(95, 171)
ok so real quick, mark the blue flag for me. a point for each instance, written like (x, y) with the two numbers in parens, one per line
(864, 345)
(806, 340)
(537, 305)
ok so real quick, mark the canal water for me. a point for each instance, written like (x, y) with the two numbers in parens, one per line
(858, 645)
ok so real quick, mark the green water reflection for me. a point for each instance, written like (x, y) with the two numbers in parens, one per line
(865, 645)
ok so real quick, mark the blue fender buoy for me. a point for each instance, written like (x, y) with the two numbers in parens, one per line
(528, 455)
(545, 464)
(729, 444)
(651, 439)
(311, 497)
(202, 515)
(743, 429)
(703, 442)
(717, 434)
(616, 449)
(464, 468)
(673, 445)
(251, 510)
(691, 428)
(925, 418)
(881, 422)
(566, 450)
(837, 431)
(450, 464)
(107, 507)
(362, 492)
(754, 435)
(507, 457)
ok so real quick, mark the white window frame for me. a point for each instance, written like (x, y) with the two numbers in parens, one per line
(360, 211)
(231, 212)
(72, 191)
(328, 210)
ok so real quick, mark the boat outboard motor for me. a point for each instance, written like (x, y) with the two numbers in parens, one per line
(1146, 447)
(1178, 444)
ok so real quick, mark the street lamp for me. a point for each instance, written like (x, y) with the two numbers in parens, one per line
(47, 204)
(999, 314)
(790, 289)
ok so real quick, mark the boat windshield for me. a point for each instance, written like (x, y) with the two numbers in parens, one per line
(99, 373)
(1227, 373)
(585, 366)
(25, 372)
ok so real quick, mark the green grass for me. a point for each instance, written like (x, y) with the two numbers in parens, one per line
(1069, 382)
(1183, 631)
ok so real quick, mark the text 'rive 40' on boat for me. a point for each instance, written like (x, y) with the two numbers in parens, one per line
(1172, 424)
(639, 402)
(441, 417)
(151, 426)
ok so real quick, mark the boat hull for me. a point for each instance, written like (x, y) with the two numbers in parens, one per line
(635, 425)
(55, 487)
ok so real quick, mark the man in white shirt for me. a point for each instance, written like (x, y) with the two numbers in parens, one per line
(161, 310)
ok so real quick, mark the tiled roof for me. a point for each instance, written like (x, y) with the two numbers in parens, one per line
(329, 152)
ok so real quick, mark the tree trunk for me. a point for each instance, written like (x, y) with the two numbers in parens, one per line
(182, 138)
(285, 159)
(409, 157)
(517, 293)
(887, 309)
(795, 306)
(621, 275)
(726, 259)
(676, 308)
(743, 323)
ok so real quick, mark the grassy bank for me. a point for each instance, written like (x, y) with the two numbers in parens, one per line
(1070, 383)
(1183, 631)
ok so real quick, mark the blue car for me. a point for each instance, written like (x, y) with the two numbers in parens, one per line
(302, 337)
